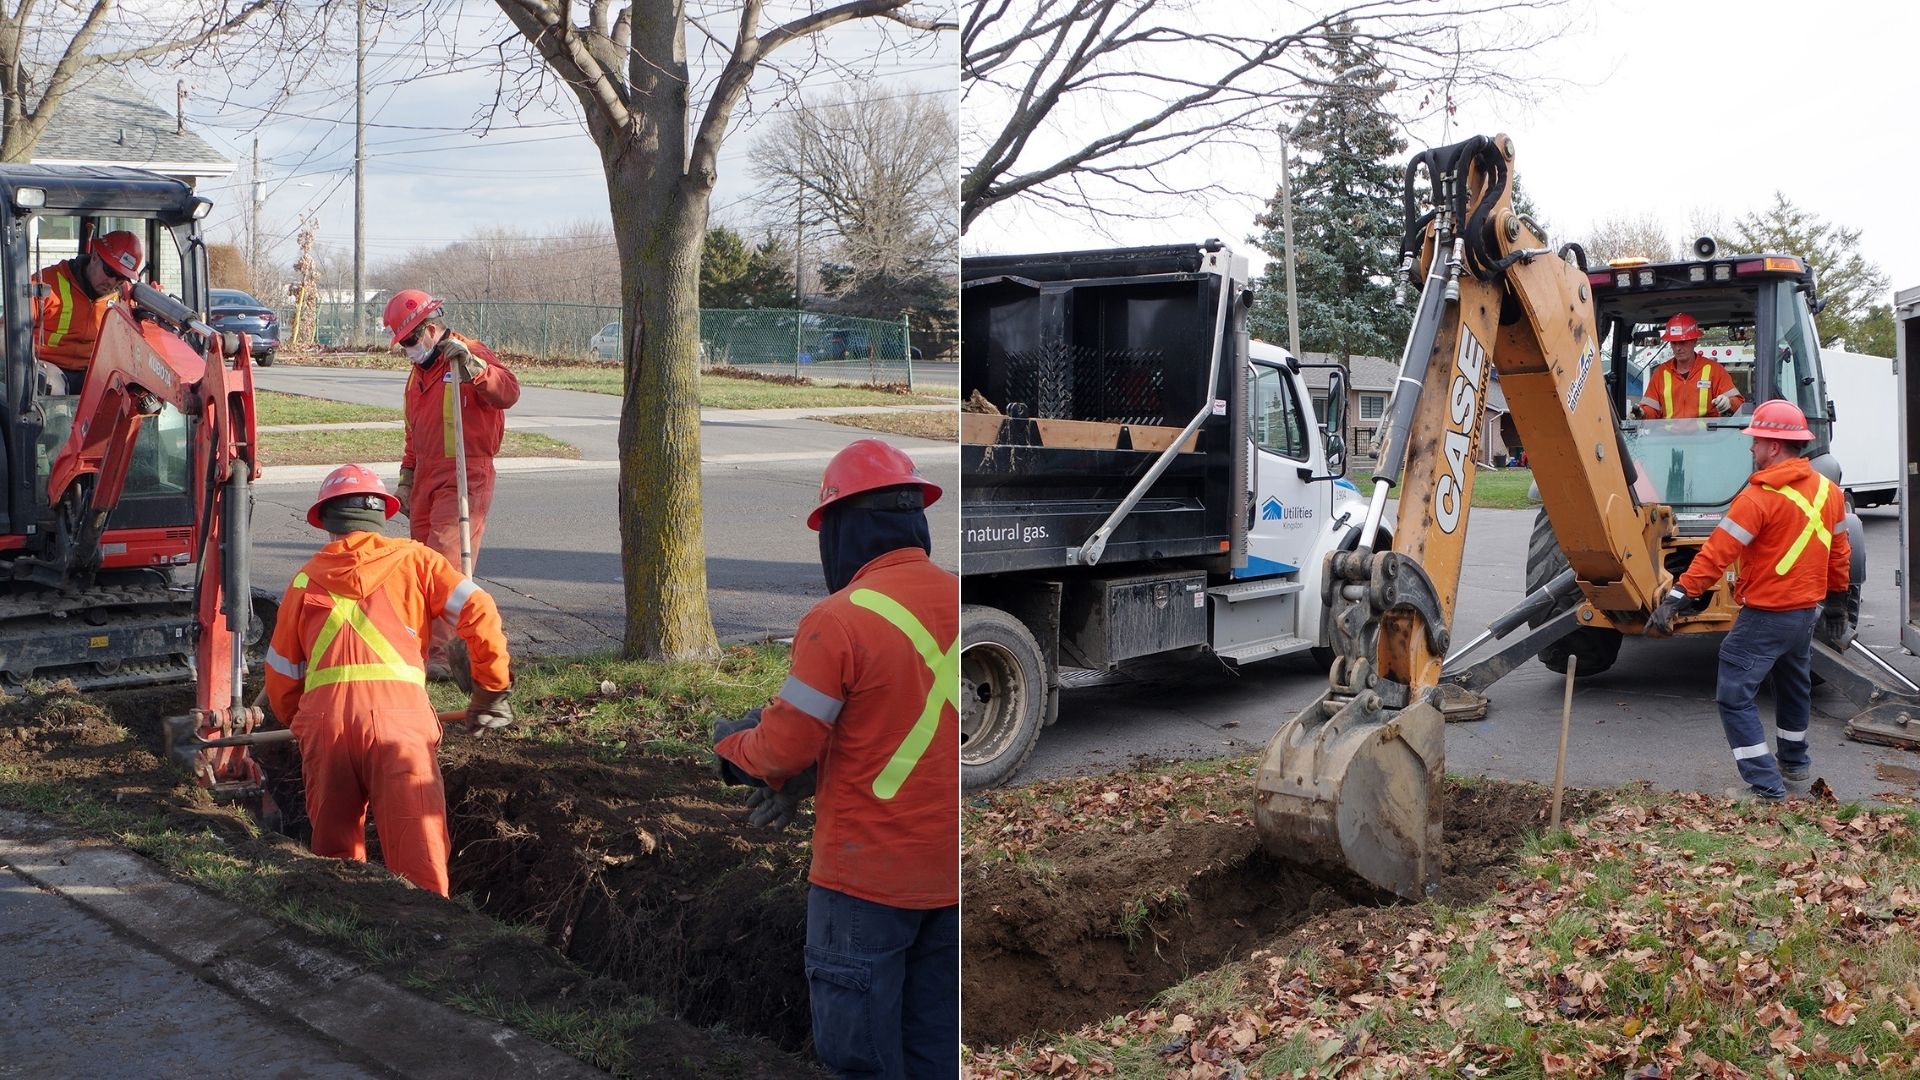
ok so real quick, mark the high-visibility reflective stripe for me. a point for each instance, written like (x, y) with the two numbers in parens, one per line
(1666, 380)
(392, 668)
(63, 282)
(1741, 753)
(461, 593)
(1793, 736)
(1815, 526)
(818, 704)
(945, 665)
(1736, 530)
(449, 393)
(284, 666)
(1705, 380)
(300, 580)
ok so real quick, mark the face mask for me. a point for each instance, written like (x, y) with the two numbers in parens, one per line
(416, 352)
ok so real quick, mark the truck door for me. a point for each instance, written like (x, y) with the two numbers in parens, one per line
(1906, 311)
(1289, 513)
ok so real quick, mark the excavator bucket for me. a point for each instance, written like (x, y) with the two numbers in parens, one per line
(1360, 789)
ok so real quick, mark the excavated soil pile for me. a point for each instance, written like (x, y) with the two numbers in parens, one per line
(643, 872)
(1097, 923)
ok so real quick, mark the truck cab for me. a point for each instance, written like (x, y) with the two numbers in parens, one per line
(1139, 479)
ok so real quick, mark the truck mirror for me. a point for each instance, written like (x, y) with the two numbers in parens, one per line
(1336, 454)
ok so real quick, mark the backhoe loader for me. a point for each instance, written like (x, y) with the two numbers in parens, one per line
(1355, 779)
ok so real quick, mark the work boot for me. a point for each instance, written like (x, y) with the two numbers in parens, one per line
(1749, 793)
(438, 671)
(1798, 774)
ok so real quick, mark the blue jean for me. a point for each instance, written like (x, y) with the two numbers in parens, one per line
(1762, 644)
(884, 985)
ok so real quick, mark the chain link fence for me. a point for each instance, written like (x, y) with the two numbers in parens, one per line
(820, 346)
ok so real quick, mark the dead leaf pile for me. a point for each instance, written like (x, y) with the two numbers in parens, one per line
(1001, 825)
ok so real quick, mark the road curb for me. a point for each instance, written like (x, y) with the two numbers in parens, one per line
(254, 960)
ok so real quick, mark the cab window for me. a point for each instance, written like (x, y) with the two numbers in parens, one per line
(1796, 360)
(1278, 424)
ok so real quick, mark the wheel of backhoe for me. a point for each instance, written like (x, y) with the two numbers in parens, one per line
(1597, 648)
(1003, 687)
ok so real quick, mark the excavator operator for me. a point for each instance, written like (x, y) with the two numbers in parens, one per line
(67, 322)
(1788, 530)
(1687, 386)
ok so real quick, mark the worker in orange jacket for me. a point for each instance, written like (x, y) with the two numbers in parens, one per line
(868, 718)
(1687, 386)
(429, 494)
(67, 319)
(345, 672)
(1788, 530)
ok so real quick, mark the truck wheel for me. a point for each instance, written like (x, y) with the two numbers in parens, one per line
(1003, 687)
(1597, 648)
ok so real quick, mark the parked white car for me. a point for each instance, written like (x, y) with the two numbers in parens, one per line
(606, 343)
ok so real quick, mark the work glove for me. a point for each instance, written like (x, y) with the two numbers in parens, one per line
(726, 770)
(1660, 623)
(463, 359)
(1724, 403)
(776, 810)
(404, 492)
(489, 710)
(1834, 627)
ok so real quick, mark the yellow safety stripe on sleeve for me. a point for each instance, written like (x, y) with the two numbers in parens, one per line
(945, 665)
(347, 613)
(1815, 526)
(63, 282)
(449, 394)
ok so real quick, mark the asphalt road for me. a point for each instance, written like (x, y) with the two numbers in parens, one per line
(551, 552)
(1651, 717)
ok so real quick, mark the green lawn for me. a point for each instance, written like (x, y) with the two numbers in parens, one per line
(336, 447)
(1502, 489)
(277, 408)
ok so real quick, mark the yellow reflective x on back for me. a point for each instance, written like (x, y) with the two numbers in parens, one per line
(1816, 526)
(945, 665)
(347, 613)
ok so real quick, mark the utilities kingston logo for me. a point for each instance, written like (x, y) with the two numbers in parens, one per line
(1289, 516)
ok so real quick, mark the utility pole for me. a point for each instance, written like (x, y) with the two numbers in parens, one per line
(253, 222)
(359, 164)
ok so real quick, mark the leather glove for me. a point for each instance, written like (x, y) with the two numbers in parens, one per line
(404, 492)
(1834, 627)
(1660, 623)
(463, 359)
(726, 770)
(1643, 411)
(1724, 403)
(776, 809)
(489, 710)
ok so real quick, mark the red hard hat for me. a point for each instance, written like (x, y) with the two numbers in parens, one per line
(1778, 419)
(868, 465)
(350, 480)
(1681, 328)
(120, 252)
(407, 310)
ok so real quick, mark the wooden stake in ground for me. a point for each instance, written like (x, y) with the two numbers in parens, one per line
(1560, 762)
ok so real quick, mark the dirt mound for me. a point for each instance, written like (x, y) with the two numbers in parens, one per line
(636, 877)
(1095, 924)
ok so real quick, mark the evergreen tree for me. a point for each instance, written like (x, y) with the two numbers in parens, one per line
(1346, 178)
(1849, 283)
(735, 274)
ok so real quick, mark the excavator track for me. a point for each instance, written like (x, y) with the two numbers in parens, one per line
(114, 636)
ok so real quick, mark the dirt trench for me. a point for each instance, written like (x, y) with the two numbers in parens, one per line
(1096, 924)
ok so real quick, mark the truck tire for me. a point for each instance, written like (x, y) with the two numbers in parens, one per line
(1003, 687)
(1597, 648)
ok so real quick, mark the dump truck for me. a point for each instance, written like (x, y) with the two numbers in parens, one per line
(1138, 479)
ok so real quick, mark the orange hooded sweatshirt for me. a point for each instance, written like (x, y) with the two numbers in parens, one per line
(1787, 530)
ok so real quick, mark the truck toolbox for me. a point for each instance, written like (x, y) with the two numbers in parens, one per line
(1105, 621)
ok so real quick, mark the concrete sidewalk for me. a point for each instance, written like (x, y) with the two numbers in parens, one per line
(115, 969)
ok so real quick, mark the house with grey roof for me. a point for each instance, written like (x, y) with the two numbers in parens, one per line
(1370, 382)
(107, 120)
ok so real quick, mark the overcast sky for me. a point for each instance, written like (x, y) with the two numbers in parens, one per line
(431, 179)
(1668, 106)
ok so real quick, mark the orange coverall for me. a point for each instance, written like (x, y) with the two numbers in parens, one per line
(345, 671)
(1673, 396)
(872, 697)
(433, 510)
(1787, 528)
(68, 322)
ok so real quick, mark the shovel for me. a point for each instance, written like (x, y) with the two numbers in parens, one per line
(184, 741)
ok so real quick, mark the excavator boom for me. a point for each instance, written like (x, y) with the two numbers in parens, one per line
(1355, 779)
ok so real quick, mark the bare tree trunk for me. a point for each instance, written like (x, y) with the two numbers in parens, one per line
(660, 225)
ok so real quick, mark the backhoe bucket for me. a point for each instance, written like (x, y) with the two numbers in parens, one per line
(1360, 789)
